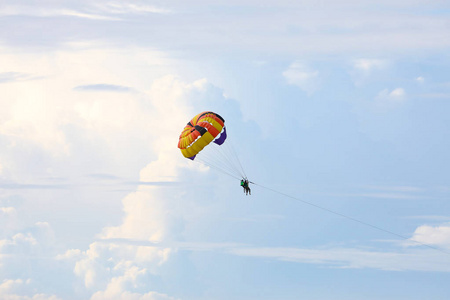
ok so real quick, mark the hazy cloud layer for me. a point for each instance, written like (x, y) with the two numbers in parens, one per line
(102, 87)
(96, 201)
(302, 76)
(60, 131)
(285, 27)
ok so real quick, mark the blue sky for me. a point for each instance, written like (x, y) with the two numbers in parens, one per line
(342, 104)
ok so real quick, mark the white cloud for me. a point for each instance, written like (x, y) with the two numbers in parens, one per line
(426, 260)
(69, 133)
(111, 270)
(38, 239)
(100, 12)
(119, 286)
(113, 294)
(433, 235)
(149, 214)
(33, 246)
(18, 10)
(5, 211)
(301, 75)
(334, 28)
(49, 115)
(69, 254)
(43, 113)
(72, 13)
(9, 221)
(11, 289)
(407, 258)
(368, 65)
(113, 264)
(397, 94)
(32, 116)
(420, 79)
(364, 68)
(389, 99)
(145, 217)
(75, 131)
(421, 258)
(122, 7)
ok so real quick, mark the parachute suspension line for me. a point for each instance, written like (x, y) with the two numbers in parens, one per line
(227, 158)
(352, 219)
(225, 153)
(212, 160)
(218, 169)
(214, 156)
(233, 159)
(237, 158)
(222, 157)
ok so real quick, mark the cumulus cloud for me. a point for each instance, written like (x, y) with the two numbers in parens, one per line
(51, 130)
(19, 243)
(74, 135)
(119, 286)
(388, 99)
(145, 216)
(115, 270)
(36, 240)
(112, 268)
(69, 254)
(299, 74)
(33, 246)
(45, 113)
(407, 258)
(52, 118)
(14, 289)
(384, 117)
(433, 235)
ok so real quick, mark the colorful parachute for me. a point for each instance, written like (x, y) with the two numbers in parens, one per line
(203, 139)
(204, 128)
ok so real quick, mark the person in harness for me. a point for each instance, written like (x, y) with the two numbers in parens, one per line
(244, 184)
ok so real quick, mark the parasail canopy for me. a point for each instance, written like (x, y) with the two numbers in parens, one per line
(203, 140)
(204, 128)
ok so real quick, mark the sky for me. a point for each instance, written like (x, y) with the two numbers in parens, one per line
(337, 110)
